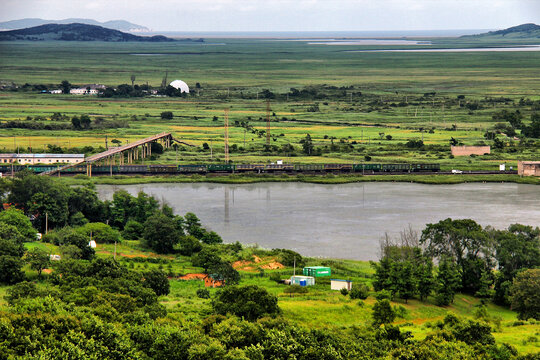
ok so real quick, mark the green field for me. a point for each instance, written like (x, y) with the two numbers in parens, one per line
(351, 102)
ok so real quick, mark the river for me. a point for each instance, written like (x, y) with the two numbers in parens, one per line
(341, 221)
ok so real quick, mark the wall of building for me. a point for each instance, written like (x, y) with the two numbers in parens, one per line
(470, 150)
(529, 168)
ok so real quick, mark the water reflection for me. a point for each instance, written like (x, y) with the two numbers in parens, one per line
(343, 221)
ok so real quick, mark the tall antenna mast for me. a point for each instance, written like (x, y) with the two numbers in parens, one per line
(227, 135)
(268, 122)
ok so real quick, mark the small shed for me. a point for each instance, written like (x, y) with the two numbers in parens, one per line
(317, 271)
(302, 280)
(338, 284)
(92, 244)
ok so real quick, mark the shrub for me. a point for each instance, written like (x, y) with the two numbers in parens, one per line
(100, 232)
(251, 302)
(203, 293)
(344, 291)
(359, 292)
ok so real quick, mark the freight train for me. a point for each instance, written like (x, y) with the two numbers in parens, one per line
(366, 168)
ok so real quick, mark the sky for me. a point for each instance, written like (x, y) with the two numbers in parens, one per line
(286, 15)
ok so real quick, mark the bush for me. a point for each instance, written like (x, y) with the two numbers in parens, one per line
(344, 291)
(383, 294)
(203, 293)
(295, 289)
(251, 302)
(168, 115)
(359, 292)
(133, 230)
(100, 232)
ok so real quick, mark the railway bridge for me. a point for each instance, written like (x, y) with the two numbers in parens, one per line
(120, 155)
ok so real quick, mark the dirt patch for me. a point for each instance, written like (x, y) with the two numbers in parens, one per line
(193, 277)
(241, 264)
(256, 259)
(131, 256)
(47, 271)
(274, 265)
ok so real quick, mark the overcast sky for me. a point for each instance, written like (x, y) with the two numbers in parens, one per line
(286, 15)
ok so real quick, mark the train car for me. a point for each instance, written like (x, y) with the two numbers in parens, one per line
(192, 169)
(396, 167)
(221, 168)
(338, 167)
(425, 167)
(133, 169)
(309, 167)
(249, 167)
(278, 167)
(162, 169)
(370, 168)
(105, 169)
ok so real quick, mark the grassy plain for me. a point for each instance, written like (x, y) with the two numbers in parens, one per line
(233, 74)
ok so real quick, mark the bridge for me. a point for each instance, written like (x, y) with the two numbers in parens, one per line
(139, 149)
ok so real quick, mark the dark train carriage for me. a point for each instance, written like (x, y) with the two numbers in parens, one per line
(133, 169)
(249, 167)
(104, 169)
(192, 169)
(309, 167)
(279, 167)
(425, 167)
(338, 167)
(221, 168)
(367, 167)
(162, 169)
(396, 167)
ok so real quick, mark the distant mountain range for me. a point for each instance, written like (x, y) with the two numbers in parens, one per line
(524, 31)
(76, 32)
(121, 25)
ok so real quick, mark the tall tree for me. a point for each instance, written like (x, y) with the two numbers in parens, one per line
(448, 281)
(160, 233)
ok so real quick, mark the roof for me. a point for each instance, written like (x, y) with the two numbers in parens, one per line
(41, 156)
(317, 267)
(340, 280)
(179, 84)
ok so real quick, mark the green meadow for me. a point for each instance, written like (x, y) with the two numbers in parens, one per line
(356, 106)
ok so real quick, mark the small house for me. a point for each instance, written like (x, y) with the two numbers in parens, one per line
(302, 280)
(317, 271)
(338, 284)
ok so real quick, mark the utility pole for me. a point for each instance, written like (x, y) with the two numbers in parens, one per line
(268, 122)
(227, 135)
(46, 223)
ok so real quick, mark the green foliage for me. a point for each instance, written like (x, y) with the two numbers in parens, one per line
(100, 232)
(525, 294)
(382, 313)
(344, 292)
(160, 233)
(206, 259)
(203, 293)
(68, 236)
(189, 245)
(38, 259)
(447, 282)
(290, 257)
(16, 218)
(250, 302)
(224, 271)
(10, 269)
(295, 289)
(167, 115)
(133, 230)
(359, 292)
(157, 281)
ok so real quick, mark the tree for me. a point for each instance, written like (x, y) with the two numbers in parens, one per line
(382, 313)
(206, 259)
(132, 80)
(211, 238)
(465, 242)
(100, 232)
(157, 281)
(250, 302)
(76, 122)
(447, 282)
(425, 279)
(359, 292)
(38, 259)
(160, 233)
(167, 115)
(189, 245)
(133, 230)
(15, 217)
(307, 145)
(225, 272)
(85, 121)
(66, 86)
(11, 252)
(525, 294)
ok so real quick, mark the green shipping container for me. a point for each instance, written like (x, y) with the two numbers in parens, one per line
(317, 271)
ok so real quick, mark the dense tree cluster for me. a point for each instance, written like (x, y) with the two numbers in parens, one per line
(467, 255)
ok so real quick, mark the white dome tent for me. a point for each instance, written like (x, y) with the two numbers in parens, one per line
(179, 84)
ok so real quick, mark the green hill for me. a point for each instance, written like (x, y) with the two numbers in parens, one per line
(75, 32)
(524, 31)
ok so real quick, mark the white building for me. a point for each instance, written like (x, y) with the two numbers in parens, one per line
(179, 84)
(338, 284)
(24, 159)
(57, 91)
(91, 89)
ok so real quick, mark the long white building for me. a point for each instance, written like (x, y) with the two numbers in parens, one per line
(24, 159)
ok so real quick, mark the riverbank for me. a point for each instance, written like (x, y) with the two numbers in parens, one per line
(315, 179)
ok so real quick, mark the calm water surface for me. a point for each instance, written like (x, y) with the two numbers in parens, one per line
(343, 221)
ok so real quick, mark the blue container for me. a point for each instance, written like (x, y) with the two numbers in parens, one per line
(303, 283)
